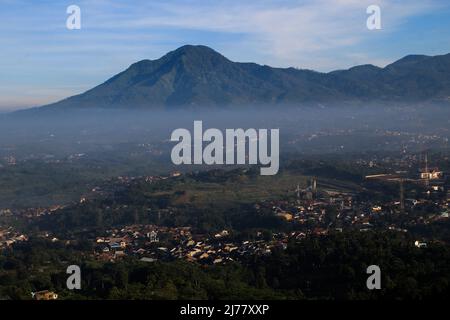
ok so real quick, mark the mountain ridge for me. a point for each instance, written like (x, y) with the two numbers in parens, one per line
(198, 76)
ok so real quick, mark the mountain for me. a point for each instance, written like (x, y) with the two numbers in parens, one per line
(196, 76)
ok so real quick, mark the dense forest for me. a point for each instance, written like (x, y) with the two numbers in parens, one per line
(329, 267)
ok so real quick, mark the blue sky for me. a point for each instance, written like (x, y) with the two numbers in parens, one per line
(41, 61)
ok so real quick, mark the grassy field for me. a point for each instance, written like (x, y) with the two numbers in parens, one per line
(245, 189)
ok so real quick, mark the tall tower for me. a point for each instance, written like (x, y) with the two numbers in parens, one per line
(427, 176)
(402, 195)
(314, 188)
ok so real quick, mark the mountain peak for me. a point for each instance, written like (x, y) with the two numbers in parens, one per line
(195, 49)
(195, 53)
(186, 52)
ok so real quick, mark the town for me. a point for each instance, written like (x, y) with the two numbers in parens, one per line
(317, 209)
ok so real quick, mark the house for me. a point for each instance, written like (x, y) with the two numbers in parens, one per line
(221, 234)
(419, 244)
(193, 252)
(376, 209)
(190, 243)
(44, 295)
(115, 246)
(285, 215)
(175, 174)
(432, 174)
(153, 236)
(204, 256)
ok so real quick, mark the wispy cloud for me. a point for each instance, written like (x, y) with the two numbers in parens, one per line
(287, 32)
